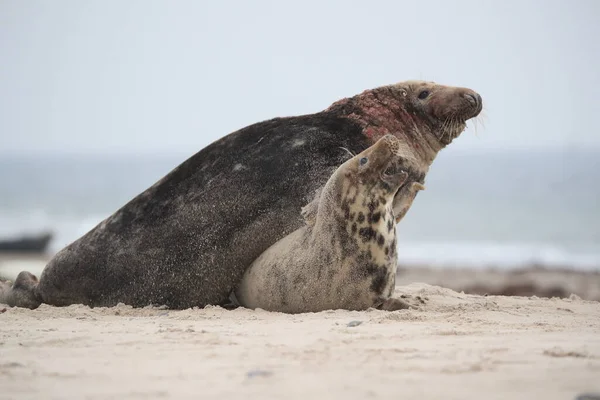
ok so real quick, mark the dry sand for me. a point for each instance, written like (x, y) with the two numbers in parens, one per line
(457, 346)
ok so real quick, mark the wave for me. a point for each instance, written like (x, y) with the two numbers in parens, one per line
(481, 254)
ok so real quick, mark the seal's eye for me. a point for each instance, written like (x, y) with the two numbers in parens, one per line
(363, 161)
(424, 94)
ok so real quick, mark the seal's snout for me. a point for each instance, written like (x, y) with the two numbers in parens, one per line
(392, 143)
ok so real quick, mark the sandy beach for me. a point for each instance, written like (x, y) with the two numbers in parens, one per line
(456, 346)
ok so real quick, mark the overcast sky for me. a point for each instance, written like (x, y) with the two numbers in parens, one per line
(173, 76)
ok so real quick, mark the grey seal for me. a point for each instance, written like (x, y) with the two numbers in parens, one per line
(188, 239)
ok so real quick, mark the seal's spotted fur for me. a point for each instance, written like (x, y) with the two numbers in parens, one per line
(345, 256)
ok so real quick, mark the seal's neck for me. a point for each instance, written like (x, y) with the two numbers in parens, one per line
(358, 217)
(379, 112)
(371, 227)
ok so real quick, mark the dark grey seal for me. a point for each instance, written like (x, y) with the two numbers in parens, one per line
(187, 240)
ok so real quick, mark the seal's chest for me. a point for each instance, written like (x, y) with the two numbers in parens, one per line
(366, 273)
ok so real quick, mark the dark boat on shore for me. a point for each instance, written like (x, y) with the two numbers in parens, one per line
(33, 244)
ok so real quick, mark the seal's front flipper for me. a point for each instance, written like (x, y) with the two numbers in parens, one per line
(309, 211)
(22, 293)
(405, 198)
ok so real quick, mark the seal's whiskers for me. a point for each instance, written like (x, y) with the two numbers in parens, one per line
(348, 151)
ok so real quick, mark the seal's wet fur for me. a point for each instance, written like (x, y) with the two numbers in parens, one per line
(345, 256)
(187, 240)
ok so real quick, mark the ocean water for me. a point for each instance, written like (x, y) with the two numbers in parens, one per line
(501, 209)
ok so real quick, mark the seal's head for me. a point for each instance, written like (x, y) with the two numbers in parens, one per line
(426, 115)
(374, 178)
(380, 166)
(444, 109)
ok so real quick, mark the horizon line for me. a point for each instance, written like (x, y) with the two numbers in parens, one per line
(181, 152)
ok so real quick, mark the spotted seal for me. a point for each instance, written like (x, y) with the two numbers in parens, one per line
(345, 256)
(187, 240)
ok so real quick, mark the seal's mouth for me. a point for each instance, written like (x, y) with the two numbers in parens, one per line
(451, 129)
(394, 175)
(454, 124)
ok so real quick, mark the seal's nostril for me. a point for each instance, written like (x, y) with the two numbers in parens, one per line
(472, 99)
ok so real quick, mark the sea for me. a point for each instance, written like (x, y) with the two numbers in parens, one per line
(481, 209)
